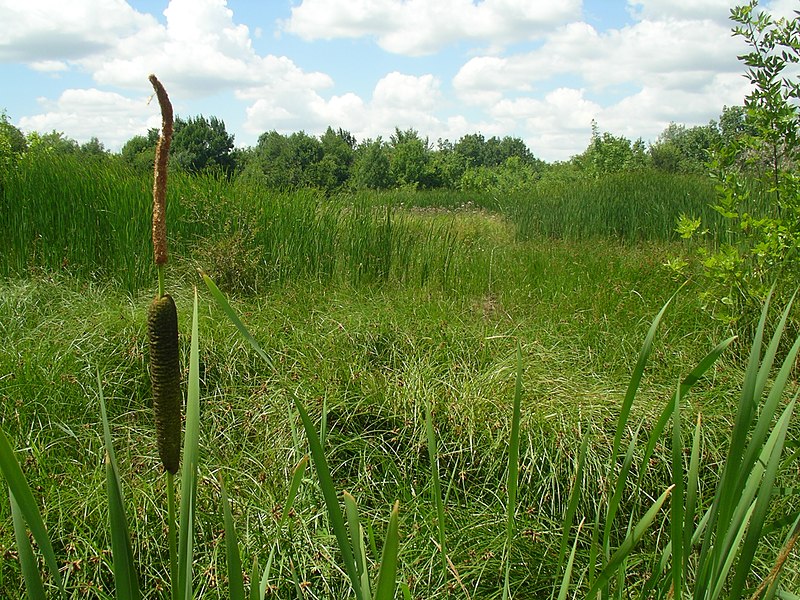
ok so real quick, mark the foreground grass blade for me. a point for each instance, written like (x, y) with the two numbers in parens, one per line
(27, 559)
(618, 558)
(234, 561)
(513, 471)
(357, 542)
(387, 574)
(297, 478)
(189, 470)
(727, 495)
(219, 297)
(771, 459)
(636, 377)
(572, 505)
(331, 499)
(562, 593)
(433, 457)
(677, 507)
(126, 580)
(28, 507)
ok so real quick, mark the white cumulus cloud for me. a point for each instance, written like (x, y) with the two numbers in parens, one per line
(416, 27)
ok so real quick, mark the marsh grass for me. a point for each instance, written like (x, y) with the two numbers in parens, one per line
(370, 342)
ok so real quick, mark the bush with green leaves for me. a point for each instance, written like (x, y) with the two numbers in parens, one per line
(762, 160)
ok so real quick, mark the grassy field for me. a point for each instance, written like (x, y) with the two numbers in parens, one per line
(372, 309)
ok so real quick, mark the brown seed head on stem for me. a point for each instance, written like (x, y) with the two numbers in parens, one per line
(160, 174)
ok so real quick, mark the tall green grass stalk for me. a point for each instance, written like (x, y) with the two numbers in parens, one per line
(513, 471)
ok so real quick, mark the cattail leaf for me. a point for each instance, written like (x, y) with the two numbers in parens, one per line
(255, 588)
(564, 589)
(297, 478)
(357, 541)
(677, 514)
(630, 542)
(771, 459)
(234, 561)
(331, 500)
(636, 377)
(18, 486)
(126, 580)
(190, 463)
(387, 573)
(27, 560)
(220, 299)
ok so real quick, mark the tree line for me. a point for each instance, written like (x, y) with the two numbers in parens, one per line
(336, 160)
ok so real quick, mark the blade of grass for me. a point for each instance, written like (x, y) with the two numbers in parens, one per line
(126, 580)
(562, 593)
(628, 545)
(357, 542)
(636, 377)
(223, 303)
(190, 462)
(233, 559)
(771, 458)
(27, 560)
(677, 514)
(572, 505)
(28, 507)
(387, 573)
(692, 483)
(255, 588)
(513, 471)
(726, 496)
(331, 500)
(297, 478)
(433, 457)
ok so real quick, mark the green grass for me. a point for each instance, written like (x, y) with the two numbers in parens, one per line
(374, 356)
(373, 319)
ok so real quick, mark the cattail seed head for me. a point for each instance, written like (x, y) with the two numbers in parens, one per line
(165, 375)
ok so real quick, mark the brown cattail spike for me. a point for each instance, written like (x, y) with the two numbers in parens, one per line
(165, 375)
(160, 175)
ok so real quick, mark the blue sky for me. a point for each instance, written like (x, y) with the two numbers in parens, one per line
(539, 70)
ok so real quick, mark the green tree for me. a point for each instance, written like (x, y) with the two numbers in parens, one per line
(608, 153)
(685, 150)
(140, 151)
(199, 144)
(12, 145)
(409, 158)
(338, 152)
(371, 168)
(764, 148)
(54, 142)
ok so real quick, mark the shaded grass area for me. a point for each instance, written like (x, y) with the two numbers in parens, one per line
(370, 356)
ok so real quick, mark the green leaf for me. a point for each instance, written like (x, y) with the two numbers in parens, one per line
(513, 471)
(126, 580)
(357, 542)
(297, 478)
(234, 561)
(219, 297)
(387, 574)
(191, 444)
(630, 542)
(331, 500)
(562, 593)
(27, 560)
(636, 377)
(28, 507)
(436, 485)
